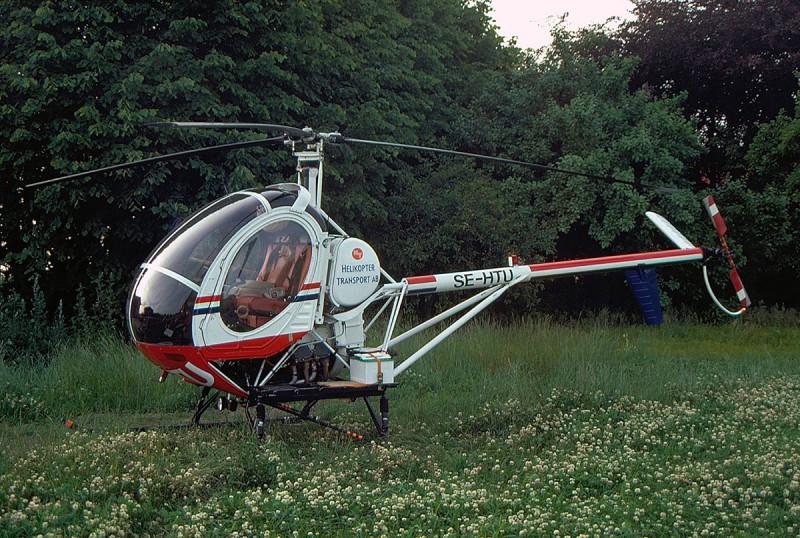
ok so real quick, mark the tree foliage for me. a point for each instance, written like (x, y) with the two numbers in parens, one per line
(735, 62)
(767, 202)
(683, 84)
(574, 109)
(80, 82)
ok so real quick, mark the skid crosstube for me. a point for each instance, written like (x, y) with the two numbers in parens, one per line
(279, 395)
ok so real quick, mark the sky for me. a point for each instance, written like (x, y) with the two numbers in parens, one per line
(530, 20)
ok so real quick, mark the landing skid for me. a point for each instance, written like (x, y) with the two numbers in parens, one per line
(202, 405)
(281, 395)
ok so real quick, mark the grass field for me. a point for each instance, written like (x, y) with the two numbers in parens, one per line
(587, 429)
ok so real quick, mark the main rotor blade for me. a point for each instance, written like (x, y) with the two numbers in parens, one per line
(526, 164)
(150, 160)
(307, 135)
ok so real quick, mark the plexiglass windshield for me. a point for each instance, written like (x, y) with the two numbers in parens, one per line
(160, 306)
(191, 251)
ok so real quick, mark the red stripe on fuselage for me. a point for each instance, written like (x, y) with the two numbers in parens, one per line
(256, 348)
(420, 279)
(623, 258)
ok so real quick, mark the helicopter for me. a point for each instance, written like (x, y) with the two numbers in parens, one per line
(261, 297)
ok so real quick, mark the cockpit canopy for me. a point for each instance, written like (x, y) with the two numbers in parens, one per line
(162, 300)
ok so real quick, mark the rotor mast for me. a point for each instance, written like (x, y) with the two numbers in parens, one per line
(310, 170)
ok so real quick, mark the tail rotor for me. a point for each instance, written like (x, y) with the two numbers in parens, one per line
(741, 293)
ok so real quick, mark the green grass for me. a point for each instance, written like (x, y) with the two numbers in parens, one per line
(102, 373)
(590, 429)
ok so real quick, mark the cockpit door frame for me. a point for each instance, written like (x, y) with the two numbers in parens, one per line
(297, 318)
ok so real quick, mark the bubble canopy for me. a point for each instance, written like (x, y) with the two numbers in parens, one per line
(161, 301)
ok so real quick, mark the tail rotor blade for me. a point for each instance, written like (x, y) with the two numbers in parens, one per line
(741, 293)
(716, 217)
(721, 228)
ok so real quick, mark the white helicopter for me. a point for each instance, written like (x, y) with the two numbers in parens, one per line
(262, 297)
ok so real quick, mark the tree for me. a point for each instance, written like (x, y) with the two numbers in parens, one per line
(766, 204)
(573, 109)
(734, 60)
(80, 81)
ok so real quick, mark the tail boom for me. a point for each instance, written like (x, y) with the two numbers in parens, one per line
(484, 278)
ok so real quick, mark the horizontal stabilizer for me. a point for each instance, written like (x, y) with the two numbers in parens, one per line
(669, 230)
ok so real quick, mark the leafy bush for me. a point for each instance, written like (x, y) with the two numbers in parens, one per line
(28, 335)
